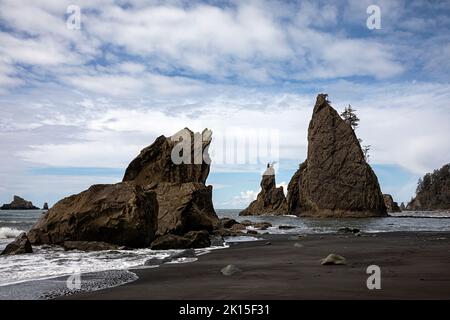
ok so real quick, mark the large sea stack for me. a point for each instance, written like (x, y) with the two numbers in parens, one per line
(335, 179)
(176, 169)
(433, 191)
(19, 203)
(271, 200)
(160, 195)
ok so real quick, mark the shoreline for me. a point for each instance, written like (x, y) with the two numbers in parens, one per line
(414, 265)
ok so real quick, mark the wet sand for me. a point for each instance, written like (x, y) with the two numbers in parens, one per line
(414, 265)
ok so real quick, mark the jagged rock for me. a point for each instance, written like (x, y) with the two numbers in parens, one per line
(348, 230)
(156, 163)
(192, 239)
(252, 232)
(433, 191)
(184, 207)
(333, 259)
(227, 233)
(120, 214)
(262, 225)
(402, 207)
(247, 223)
(20, 245)
(238, 227)
(185, 203)
(45, 206)
(285, 227)
(19, 203)
(88, 246)
(227, 223)
(271, 200)
(390, 204)
(335, 180)
(230, 270)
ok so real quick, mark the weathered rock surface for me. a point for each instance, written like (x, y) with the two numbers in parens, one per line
(335, 180)
(433, 191)
(45, 206)
(20, 245)
(184, 207)
(120, 214)
(156, 163)
(390, 204)
(192, 239)
(19, 203)
(185, 202)
(271, 200)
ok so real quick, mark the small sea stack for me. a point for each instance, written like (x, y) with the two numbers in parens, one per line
(271, 200)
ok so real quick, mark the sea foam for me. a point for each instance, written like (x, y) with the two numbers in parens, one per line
(6, 232)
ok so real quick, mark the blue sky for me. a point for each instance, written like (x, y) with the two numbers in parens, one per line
(78, 105)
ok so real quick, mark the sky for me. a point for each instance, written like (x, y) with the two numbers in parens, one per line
(79, 101)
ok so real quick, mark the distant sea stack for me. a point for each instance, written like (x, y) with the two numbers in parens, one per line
(335, 179)
(433, 191)
(19, 203)
(45, 206)
(390, 204)
(271, 200)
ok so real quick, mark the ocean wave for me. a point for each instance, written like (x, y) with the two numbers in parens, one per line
(6, 232)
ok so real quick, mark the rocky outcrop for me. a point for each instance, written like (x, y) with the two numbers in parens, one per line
(20, 245)
(270, 201)
(184, 207)
(19, 203)
(402, 207)
(176, 169)
(163, 193)
(390, 204)
(45, 206)
(335, 180)
(180, 158)
(120, 214)
(433, 191)
(192, 239)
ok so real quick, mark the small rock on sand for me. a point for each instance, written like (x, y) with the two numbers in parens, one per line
(333, 259)
(230, 269)
(252, 232)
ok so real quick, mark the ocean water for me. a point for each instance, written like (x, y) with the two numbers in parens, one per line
(43, 273)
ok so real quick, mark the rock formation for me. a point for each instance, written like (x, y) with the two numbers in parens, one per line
(176, 169)
(335, 180)
(390, 204)
(121, 214)
(180, 158)
(402, 207)
(20, 245)
(163, 193)
(19, 203)
(433, 191)
(271, 200)
(45, 206)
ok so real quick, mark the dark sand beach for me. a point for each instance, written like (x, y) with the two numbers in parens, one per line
(414, 265)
